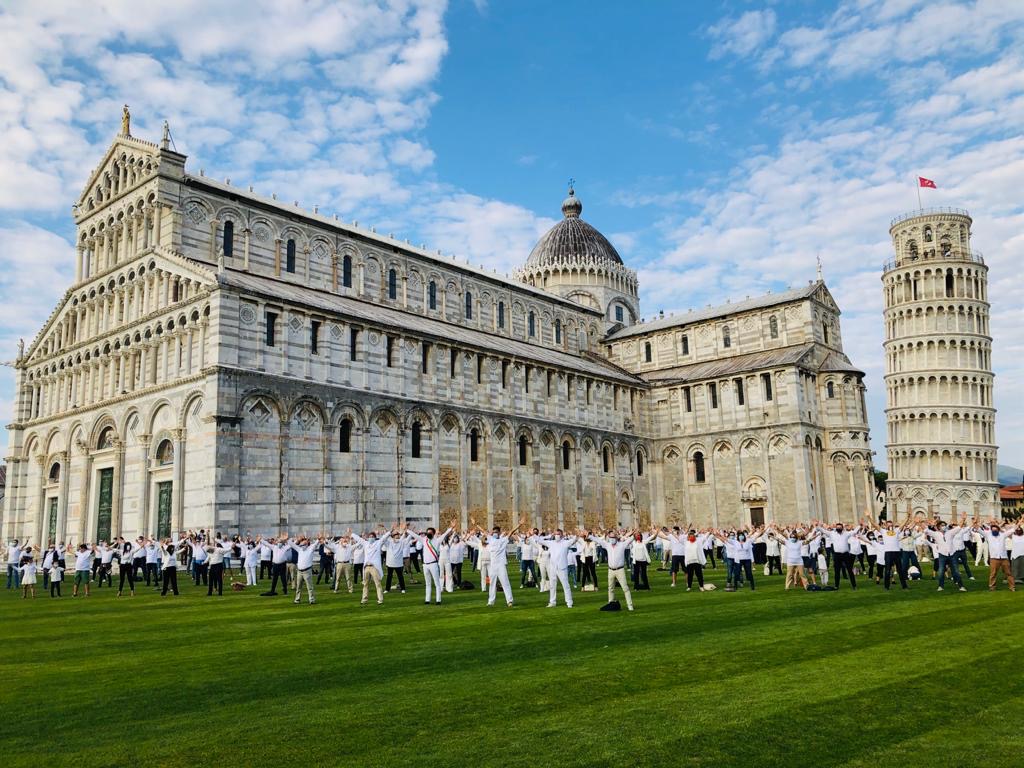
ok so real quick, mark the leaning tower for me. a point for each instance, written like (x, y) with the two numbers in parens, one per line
(938, 369)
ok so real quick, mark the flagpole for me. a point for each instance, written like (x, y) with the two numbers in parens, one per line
(919, 206)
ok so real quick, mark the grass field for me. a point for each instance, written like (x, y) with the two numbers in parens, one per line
(768, 678)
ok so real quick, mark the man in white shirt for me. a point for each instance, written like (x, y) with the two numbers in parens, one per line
(372, 571)
(83, 567)
(342, 551)
(215, 552)
(616, 549)
(558, 547)
(941, 538)
(998, 559)
(497, 546)
(14, 564)
(527, 558)
(891, 536)
(839, 537)
(306, 551)
(432, 559)
(281, 556)
(106, 571)
(677, 543)
(396, 549)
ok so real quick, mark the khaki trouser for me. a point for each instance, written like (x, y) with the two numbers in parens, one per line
(306, 577)
(619, 575)
(792, 573)
(343, 569)
(370, 573)
(995, 565)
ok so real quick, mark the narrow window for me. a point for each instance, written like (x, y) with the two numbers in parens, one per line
(558, 331)
(548, 392)
(647, 352)
(454, 361)
(698, 467)
(606, 460)
(174, 294)
(565, 454)
(766, 384)
(289, 262)
(830, 390)
(639, 464)
(501, 314)
(688, 399)
(416, 430)
(392, 284)
(474, 445)
(479, 369)
(390, 352)
(824, 328)
(346, 271)
(271, 324)
(739, 390)
(590, 397)
(949, 284)
(425, 357)
(726, 337)
(618, 313)
(522, 450)
(685, 343)
(228, 243)
(713, 394)
(432, 295)
(345, 436)
(504, 373)
(314, 337)
(353, 344)
(773, 327)
(526, 378)
(568, 388)
(532, 324)
(469, 305)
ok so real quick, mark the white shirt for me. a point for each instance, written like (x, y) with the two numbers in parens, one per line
(217, 552)
(432, 552)
(282, 553)
(396, 551)
(371, 551)
(342, 551)
(1017, 544)
(457, 552)
(28, 571)
(13, 554)
(306, 554)
(83, 560)
(940, 542)
(996, 545)
(152, 553)
(252, 557)
(678, 544)
(558, 549)
(616, 551)
(638, 549)
(793, 548)
(840, 540)
(527, 549)
(891, 539)
(498, 547)
(693, 552)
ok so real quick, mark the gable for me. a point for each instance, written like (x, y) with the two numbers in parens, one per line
(50, 337)
(823, 296)
(128, 163)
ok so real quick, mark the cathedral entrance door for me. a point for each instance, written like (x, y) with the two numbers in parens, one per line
(163, 510)
(756, 517)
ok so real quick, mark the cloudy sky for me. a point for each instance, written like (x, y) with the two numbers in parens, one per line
(721, 147)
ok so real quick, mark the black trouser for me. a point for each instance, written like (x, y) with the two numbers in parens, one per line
(357, 572)
(748, 568)
(280, 573)
(844, 563)
(874, 567)
(153, 569)
(127, 574)
(528, 566)
(694, 569)
(589, 571)
(401, 578)
(961, 557)
(710, 555)
(640, 575)
(266, 568)
(457, 574)
(860, 557)
(106, 572)
(894, 560)
(774, 564)
(138, 568)
(326, 570)
(414, 561)
(95, 567)
(216, 579)
(170, 580)
(202, 571)
(55, 585)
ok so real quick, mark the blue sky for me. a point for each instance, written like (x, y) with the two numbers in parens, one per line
(721, 147)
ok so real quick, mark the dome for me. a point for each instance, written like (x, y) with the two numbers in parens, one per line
(572, 239)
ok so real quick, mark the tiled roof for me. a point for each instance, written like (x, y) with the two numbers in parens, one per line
(839, 363)
(758, 302)
(388, 317)
(728, 366)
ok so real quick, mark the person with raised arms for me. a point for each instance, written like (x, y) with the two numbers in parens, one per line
(616, 547)
(558, 547)
(171, 550)
(396, 550)
(457, 556)
(841, 539)
(998, 560)
(128, 554)
(372, 570)
(941, 538)
(341, 551)
(306, 551)
(83, 567)
(641, 558)
(497, 546)
(432, 558)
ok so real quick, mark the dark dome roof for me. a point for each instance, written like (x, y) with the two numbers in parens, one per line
(572, 239)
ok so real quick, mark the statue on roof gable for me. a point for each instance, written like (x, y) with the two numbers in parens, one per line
(126, 121)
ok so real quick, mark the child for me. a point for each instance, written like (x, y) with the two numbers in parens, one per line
(56, 577)
(28, 578)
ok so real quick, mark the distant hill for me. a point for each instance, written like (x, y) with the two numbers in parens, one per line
(1009, 475)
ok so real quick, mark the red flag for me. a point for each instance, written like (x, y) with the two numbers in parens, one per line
(923, 182)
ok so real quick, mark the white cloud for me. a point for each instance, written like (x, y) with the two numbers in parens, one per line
(742, 36)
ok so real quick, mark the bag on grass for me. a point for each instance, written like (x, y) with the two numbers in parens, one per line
(237, 586)
(767, 570)
(710, 587)
(467, 585)
(614, 605)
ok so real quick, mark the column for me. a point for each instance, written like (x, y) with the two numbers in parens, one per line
(146, 526)
(158, 223)
(79, 256)
(178, 435)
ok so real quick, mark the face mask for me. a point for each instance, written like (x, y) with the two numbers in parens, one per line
(638, 538)
(691, 538)
(613, 539)
(839, 529)
(995, 531)
(792, 538)
(743, 538)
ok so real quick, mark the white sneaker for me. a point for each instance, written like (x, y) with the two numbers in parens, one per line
(687, 589)
(551, 605)
(631, 607)
(939, 589)
(963, 589)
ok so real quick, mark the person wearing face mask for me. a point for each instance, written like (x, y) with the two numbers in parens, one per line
(395, 548)
(940, 536)
(616, 549)
(840, 538)
(743, 559)
(457, 556)
(890, 536)
(677, 544)
(558, 547)
(431, 544)
(497, 545)
(997, 558)
(641, 559)
(371, 570)
(792, 543)
(694, 559)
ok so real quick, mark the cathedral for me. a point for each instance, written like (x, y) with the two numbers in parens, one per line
(228, 360)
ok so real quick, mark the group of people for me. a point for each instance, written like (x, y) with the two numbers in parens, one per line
(548, 560)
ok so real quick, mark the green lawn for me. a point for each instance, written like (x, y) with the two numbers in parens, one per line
(768, 678)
